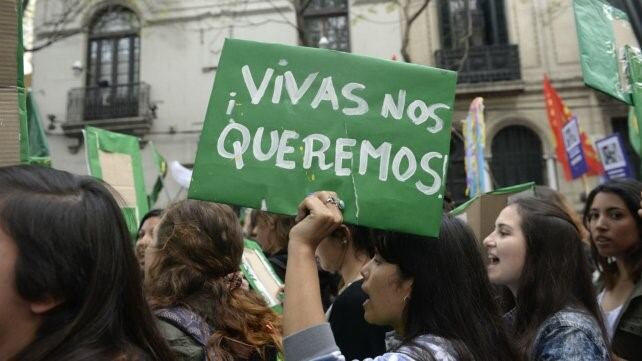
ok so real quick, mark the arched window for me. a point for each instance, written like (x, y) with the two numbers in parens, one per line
(517, 157)
(487, 19)
(329, 19)
(113, 64)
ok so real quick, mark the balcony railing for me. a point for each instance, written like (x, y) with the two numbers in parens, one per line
(483, 63)
(123, 107)
(109, 102)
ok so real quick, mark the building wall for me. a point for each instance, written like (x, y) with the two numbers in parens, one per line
(547, 39)
(181, 41)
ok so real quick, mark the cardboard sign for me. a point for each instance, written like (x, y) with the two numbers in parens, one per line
(481, 212)
(287, 121)
(573, 147)
(614, 159)
(14, 139)
(116, 159)
(603, 32)
(259, 273)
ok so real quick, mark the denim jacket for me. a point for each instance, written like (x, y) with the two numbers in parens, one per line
(569, 335)
(317, 343)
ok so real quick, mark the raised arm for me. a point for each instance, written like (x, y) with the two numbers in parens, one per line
(318, 216)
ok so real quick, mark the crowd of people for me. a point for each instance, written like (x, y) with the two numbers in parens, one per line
(544, 285)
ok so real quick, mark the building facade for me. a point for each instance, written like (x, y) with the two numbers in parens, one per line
(512, 45)
(147, 68)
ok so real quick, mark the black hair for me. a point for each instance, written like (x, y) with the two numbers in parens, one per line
(451, 295)
(148, 215)
(629, 192)
(74, 246)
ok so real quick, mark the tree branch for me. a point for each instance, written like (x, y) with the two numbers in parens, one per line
(58, 32)
(405, 41)
(469, 34)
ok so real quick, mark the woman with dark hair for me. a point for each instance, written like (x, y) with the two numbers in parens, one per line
(433, 292)
(146, 234)
(345, 252)
(536, 251)
(70, 287)
(193, 284)
(611, 215)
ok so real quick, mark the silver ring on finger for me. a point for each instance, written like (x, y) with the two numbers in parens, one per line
(337, 202)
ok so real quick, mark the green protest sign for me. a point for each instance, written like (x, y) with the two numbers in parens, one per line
(286, 121)
(603, 32)
(116, 159)
(258, 272)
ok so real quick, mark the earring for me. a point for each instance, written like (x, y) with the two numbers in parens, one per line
(406, 298)
(345, 241)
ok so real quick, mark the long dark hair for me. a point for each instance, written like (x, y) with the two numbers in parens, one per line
(199, 244)
(556, 273)
(629, 191)
(451, 295)
(151, 214)
(73, 245)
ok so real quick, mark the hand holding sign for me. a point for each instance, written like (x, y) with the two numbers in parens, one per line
(318, 216)
(287, 121)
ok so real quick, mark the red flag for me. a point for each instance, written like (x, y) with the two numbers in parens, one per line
(558, 115)
(593, 163)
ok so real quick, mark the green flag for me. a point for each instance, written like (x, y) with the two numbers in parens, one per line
(116, 159)
(634, 58)
(38, 146)
(603, 32)
(161, 166)
(286, 121)
(634, 131)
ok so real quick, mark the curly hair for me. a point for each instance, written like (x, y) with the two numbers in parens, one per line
(198, 244)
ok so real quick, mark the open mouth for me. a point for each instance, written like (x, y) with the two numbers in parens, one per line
(367, 296)
(492, 259)
(602, 240)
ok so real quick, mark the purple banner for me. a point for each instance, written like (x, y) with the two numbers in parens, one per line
(573, 146)
(614, 160)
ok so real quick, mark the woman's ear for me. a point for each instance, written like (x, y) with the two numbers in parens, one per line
(45, 305)
(344, 234)
(406, 288)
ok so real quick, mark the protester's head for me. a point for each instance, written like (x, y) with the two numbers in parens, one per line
(536, 251)
(611, 216)
(439, 285)
(70, 286)
(194, 261)
(271, 231)
(352, 241)
(146, 234)
(552, 196)
(249, 222)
